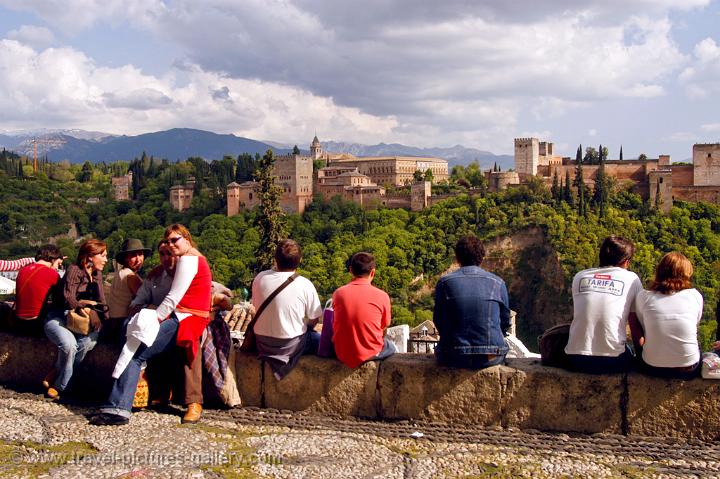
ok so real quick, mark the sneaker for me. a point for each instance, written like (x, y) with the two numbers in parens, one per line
(106, 419)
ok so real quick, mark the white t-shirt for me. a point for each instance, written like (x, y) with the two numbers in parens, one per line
(285, 316)
(602, 301)
(670, 325)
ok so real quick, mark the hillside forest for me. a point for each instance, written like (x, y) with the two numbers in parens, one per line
(65, 203)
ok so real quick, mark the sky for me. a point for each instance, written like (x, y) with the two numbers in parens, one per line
(641, 74)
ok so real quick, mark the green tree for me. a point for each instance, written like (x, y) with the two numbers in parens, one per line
(567, 191)
(621, 153)
(642, 157)
(86, 173)
(245, 168)
(428, 176)
(600, 195)
(591, 156)
(295, 150)
(418, 176)
(271, 219)
(556, 188)
(579, 183)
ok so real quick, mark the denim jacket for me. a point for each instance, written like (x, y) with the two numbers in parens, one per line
(472, 313)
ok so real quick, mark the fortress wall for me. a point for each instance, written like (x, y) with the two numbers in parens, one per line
(682, 175)
(523, 394)
(710, 194)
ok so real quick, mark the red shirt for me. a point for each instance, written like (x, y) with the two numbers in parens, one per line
(361, 313)
(31, 287)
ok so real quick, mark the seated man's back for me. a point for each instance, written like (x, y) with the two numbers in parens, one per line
(602, 303)
(284, 328)
(361, 313)
(37, 288)
(472, 312)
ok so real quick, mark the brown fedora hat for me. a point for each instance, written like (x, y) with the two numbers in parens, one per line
(130, 245)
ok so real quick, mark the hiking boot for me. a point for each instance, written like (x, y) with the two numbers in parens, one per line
(106, 419)
(194, 411)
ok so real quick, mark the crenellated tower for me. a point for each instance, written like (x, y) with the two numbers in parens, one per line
(527, 156)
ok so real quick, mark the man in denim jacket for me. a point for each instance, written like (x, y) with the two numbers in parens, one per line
(472, 312)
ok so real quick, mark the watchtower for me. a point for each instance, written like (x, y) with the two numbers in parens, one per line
(660, 183)
(527, 156)
(706, 164)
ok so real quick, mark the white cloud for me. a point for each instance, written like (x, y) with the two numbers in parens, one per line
(701, 77)
(683, 137)
(66, 89)
(416, 71)
(37, 37)
(712, 127)
(72, 16)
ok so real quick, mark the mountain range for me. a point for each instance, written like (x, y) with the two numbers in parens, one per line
(78, 146)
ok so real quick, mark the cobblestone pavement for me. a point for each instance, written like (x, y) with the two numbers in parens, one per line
(45, 439)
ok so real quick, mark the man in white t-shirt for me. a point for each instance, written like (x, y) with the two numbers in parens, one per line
(284, 330)
(603, 300)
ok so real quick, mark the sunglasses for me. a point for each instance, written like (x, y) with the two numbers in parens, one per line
(174, 240)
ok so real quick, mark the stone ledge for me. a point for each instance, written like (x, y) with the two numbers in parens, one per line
(523, 394)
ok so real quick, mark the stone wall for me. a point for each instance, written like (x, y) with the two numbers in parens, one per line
(522, 394)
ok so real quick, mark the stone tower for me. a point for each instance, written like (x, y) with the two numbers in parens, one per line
(706, 164)
(316, 150)
(420, 195)
(233, 199)
(660, 182)
(527, 156)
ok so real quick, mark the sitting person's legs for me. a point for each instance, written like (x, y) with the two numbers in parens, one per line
(388, 350)
(601, 364)
(470, 361)
(123, 391)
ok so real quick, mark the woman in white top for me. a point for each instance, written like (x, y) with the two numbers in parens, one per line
(668, 314)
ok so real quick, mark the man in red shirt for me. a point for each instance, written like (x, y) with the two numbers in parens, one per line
(36, 288)
(361, 314)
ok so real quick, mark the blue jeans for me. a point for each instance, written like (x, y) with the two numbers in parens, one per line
(123, 390)
(388, 350)
(72, 347)
(470, 361)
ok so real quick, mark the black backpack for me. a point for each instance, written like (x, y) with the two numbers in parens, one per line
(552, 345)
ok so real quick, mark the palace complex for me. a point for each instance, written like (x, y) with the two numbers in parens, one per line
(360, 179)
(699, 181)
(364, 180)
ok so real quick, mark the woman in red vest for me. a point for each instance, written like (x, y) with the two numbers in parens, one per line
(183, 316)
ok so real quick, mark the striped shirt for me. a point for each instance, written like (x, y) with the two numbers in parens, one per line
(16, 264)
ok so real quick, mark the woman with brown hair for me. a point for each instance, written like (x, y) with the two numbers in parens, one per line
(668, 313)
(82, 283)
(183, 316)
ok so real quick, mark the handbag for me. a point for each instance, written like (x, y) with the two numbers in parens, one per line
(249, 344)
(80, 319)
(325, 348)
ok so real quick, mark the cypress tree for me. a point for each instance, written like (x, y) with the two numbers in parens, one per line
(578, 155)
(621, 155)
(556, 189)
(567, 191)
(580, 185)
(601, 188)
(271, 219)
